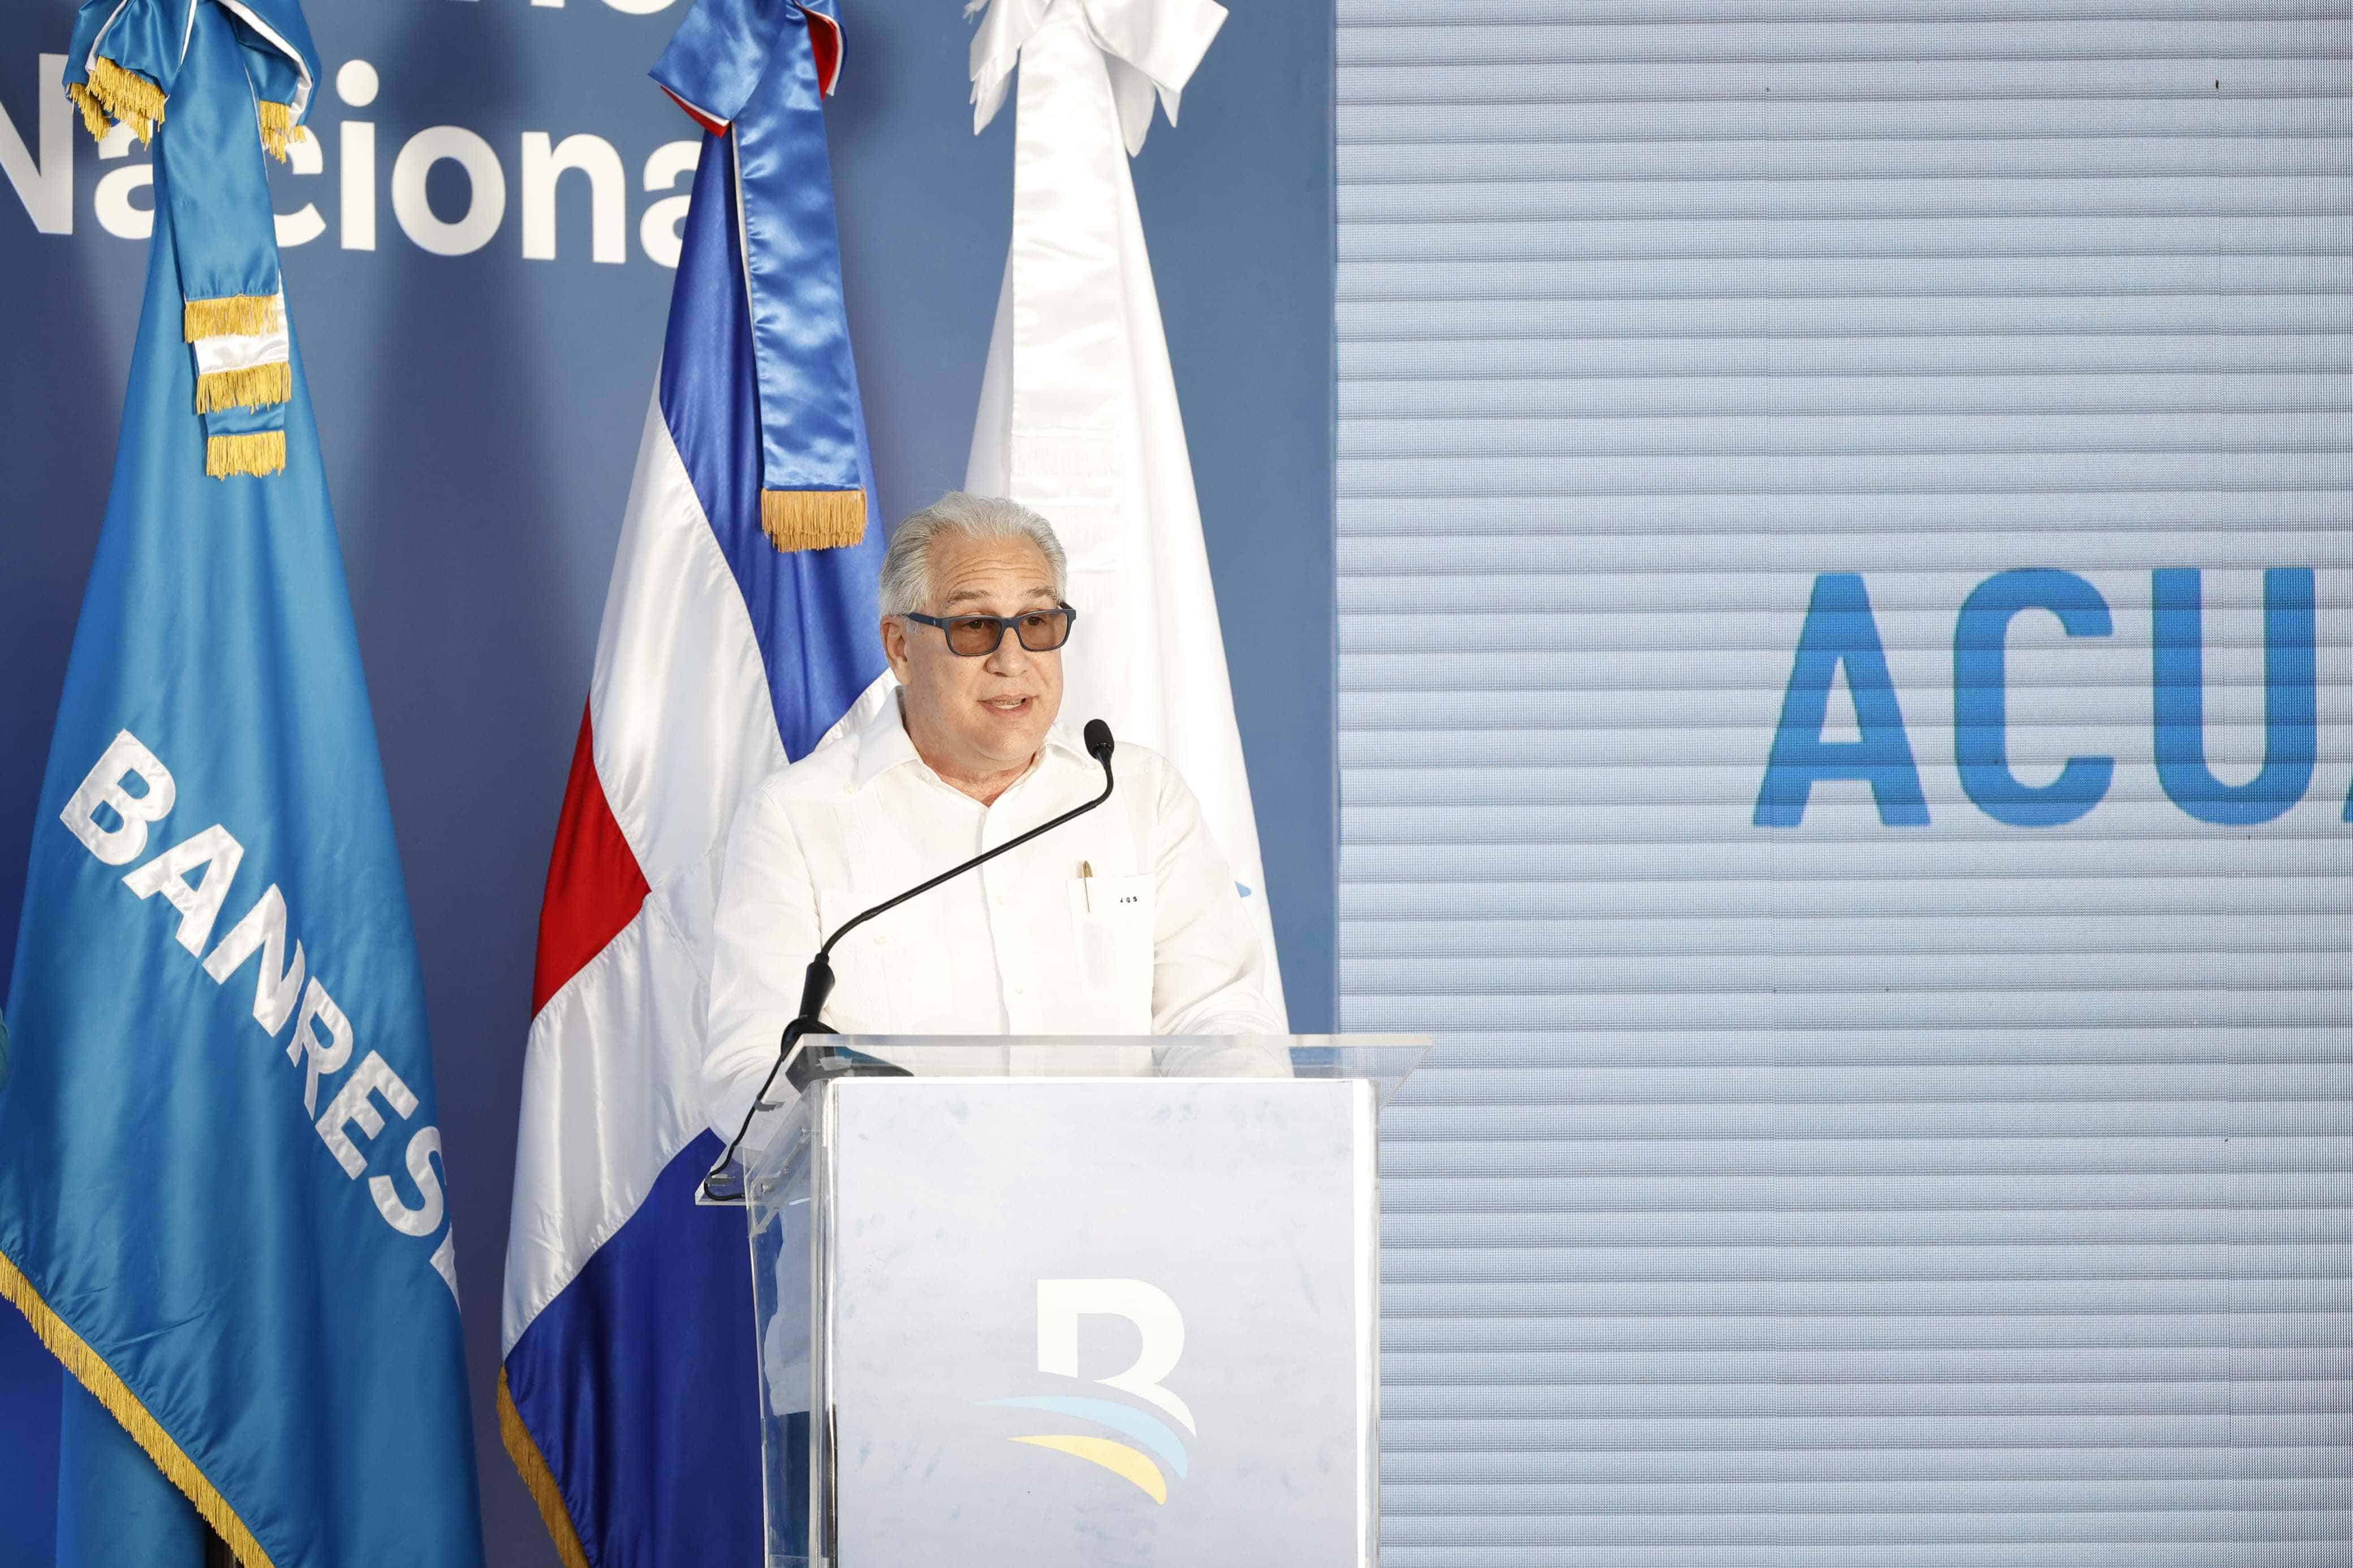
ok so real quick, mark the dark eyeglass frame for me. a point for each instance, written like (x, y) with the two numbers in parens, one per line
(948, 625)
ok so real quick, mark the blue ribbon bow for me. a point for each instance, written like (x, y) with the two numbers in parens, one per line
(212, 85)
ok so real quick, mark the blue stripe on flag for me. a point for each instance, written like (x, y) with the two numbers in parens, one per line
(639, 1384)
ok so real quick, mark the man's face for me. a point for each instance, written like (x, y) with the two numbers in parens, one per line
(975, 718)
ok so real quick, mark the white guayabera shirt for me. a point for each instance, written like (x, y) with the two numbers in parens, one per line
(1126, 921)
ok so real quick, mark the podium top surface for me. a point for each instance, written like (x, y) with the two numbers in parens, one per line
(1382, 1060)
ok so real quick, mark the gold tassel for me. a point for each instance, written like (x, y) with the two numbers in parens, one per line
(142, 129)
(813, 520)
(538, 1479)
(255, 386)
(240, 314)
(91, 1372)
(93, 113)
(128, 96)
(278, 128)
(261, 454)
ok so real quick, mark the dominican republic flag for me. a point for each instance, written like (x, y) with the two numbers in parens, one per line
(221, 1182)
(629, 1392)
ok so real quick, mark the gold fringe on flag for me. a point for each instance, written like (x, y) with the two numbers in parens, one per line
(538, 1479)
(278, 128)
(93, 113)
(240, 314)
(127, 96)
(255, 386)
(259, 453)
(91, 1372)
(813, 520)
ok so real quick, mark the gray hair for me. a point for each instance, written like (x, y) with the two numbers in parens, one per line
(906, 582)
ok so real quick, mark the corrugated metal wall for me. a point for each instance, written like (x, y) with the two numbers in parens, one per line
(1906, 1183)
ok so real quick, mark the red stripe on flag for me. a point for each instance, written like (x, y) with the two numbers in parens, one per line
(595, 887)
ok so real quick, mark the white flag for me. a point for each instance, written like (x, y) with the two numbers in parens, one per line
(1078, 410)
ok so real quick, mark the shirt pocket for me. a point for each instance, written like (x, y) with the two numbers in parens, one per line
(892, 974)
(1112, 917)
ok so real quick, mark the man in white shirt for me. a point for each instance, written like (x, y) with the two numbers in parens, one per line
(1126, 922)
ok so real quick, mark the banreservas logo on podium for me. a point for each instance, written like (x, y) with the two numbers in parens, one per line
(1161, 1326)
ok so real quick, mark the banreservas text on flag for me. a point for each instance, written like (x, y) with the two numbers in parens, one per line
(323, 1039)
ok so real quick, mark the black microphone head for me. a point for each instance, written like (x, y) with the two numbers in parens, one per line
(1098, 740)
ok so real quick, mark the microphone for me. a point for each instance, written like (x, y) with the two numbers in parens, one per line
(800, 1070)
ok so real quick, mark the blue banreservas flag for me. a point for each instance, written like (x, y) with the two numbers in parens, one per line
(221, 1189)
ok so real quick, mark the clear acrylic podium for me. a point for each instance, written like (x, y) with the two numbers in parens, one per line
(1065, 1303)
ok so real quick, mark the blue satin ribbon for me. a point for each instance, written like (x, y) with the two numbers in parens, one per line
(152, 39)
(749, 69)
(214, 64)
(93, 16)
(146, 37)
(209, 166)
(284, 75)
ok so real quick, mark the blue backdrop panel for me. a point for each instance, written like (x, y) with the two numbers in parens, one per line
(480, 401)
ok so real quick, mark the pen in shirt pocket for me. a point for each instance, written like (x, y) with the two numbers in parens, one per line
(1087, 885)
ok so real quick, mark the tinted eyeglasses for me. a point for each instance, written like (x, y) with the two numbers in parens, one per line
(977, 636)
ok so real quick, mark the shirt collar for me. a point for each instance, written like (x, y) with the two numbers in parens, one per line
(882, 742)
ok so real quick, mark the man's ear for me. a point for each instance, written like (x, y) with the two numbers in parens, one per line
(894, 646)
